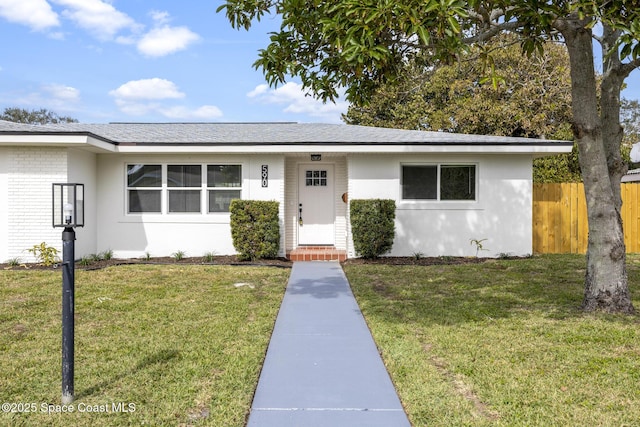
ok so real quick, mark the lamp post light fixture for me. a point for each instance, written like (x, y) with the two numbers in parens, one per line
(68, 213)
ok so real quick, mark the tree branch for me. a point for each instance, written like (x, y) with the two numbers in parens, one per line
(492, 31)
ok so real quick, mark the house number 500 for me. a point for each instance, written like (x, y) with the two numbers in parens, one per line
(265, 175)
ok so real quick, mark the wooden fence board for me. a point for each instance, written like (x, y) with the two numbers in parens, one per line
(560, 218)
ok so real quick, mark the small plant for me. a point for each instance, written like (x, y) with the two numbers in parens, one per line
(86, 260)
(46, 255)
(478, 243)
(107, 255)
(146, 256)
(418, 255)
(209, 256)
(14, 262)
(178, 255)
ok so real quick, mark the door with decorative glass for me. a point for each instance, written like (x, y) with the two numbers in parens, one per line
(316, 212)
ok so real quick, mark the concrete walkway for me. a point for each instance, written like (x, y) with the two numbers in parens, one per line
(322, 367)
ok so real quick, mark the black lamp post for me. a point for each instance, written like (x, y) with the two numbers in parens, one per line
(68, 212)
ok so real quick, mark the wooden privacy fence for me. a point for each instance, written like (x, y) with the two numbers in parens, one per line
(560, 218)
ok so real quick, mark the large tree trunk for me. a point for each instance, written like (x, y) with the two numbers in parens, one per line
(606, 284)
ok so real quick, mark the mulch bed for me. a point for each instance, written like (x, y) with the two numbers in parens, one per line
(233, 260)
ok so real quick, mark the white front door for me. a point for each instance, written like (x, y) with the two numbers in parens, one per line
(316, 213)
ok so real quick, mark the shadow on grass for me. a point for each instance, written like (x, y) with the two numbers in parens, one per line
(159, 358)
(449, 295)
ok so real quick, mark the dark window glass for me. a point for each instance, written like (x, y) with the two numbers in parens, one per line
(144, 175)
(219, 200)
(420, 182)
(224, 176)
(141, 201)
(458, 182)
(184, 176)
(184, 201)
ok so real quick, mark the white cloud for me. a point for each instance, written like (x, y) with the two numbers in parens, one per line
(147, 89)
(62, 93)
(57, 97)
(101, 19)
(35, 14)
(293, 97)
(166, 40)
(98, 17)
(152, 96)
(160, 17)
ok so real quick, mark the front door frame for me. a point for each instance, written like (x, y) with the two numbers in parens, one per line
(328, 227)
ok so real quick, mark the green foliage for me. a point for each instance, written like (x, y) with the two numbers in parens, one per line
(178, 255)
(533, 99)
(255, 228)
(46, 255)
(373, 227)
(558, 168)
(14, 262)
(209, 256)
(34, 117)
(478, 244)
(358, 44)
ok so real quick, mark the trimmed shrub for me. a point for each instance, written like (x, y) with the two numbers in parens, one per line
(372, 225)
(255, 228)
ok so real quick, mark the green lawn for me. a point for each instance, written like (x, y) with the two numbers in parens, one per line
(502, 343)
(181, 344)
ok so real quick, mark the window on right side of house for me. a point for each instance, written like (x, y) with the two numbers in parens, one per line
(439, 182)
(457, 182)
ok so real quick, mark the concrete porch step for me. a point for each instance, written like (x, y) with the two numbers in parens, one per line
(317, 253)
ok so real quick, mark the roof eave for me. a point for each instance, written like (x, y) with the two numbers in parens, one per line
(347, 148)
(84, 140)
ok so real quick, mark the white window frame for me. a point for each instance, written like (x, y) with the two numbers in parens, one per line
(170, 189)
(208, 189)
(129, 189)
(165, 189)
(439, 166)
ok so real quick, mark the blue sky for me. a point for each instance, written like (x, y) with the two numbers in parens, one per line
(147, 60)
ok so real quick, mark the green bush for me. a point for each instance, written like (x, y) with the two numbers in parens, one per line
(255, 228)
(373, 227)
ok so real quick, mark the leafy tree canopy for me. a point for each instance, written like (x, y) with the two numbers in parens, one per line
(533, 98)
(358, 44)
(34, 117)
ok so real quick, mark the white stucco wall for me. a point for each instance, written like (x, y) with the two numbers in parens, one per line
(82, 170)
(501, 214)
(134, 235)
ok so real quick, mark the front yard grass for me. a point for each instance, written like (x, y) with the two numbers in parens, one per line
(502, 343)
(171, 345)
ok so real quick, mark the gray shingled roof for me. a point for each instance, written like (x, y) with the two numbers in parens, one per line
(264, 133)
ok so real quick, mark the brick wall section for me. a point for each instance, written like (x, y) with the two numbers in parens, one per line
(31, 173)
